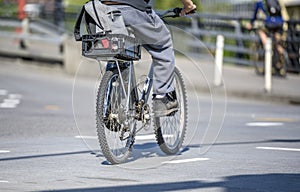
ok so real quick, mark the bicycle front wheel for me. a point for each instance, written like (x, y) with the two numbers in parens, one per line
(114, 127)
(170, 130)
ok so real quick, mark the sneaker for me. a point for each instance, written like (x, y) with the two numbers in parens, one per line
(166, 105)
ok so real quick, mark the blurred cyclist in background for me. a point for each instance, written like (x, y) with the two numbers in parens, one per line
(273, 22)
(273, 27)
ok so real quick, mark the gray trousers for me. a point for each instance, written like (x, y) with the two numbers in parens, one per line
(157, 40)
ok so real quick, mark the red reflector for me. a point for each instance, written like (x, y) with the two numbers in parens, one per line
(105, 43)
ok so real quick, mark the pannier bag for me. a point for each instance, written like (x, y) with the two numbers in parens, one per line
(107, 37)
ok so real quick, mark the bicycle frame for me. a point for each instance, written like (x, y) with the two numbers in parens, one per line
(131, 93)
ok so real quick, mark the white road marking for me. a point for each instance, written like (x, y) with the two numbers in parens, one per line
(86, 137)
(3, 92)
(3, 181)
(275, 119)
(279, 149)
(185, 160)
(7, 105)
(264, 124)
(12, 101)
(145, 137)
(138, 137)
(15, 96)
(150, 137)
(4, 151)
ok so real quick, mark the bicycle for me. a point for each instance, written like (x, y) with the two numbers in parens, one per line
(122, 108)
(279, 60)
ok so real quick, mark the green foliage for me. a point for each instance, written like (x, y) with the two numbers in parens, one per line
(166, 4)
(8, 9)
(73, 6)
(75, 2)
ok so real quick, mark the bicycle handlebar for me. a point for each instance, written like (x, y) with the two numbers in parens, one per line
(174, 12)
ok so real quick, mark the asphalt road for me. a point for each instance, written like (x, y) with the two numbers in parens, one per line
(48, 141)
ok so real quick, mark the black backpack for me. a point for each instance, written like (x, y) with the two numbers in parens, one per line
(273, 7)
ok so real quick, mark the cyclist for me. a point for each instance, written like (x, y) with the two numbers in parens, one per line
(156, 39)
(273, 22)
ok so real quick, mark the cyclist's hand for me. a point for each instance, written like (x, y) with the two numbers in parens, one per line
(188, 7)
(249, 26)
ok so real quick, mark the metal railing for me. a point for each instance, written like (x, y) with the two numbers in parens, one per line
(238, 40)
(35, 39)
(40, 39)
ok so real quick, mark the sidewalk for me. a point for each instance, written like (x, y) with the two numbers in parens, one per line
(245, 83)
(238, 81)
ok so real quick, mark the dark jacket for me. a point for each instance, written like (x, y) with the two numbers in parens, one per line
(270, 21)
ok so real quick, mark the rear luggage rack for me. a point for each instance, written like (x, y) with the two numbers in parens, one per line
(111, 46)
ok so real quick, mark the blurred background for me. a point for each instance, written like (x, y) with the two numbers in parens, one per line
(38, 29)
(63, 12)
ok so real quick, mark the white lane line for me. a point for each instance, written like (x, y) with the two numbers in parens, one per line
(150, 137)
(279, 149)
(12, 101)
(185, 160)
(15, 96)
(145, 137)
(86, 137)
(3, 92)
(8, 105)
(138, 137)
(4, 151)
(264, 124)
(3, 181)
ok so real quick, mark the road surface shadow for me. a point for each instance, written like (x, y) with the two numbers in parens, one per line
(278, 182)
(43, 155)
(151, 149)
(148, 150)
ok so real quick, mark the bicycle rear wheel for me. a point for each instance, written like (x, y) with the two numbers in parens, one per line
(279, 62)
(114, 126)
(258, 58)
(170, 130)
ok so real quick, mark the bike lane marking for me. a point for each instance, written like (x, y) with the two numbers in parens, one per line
(150, 137)
(279, 149)
(145, 137)
(138, 137)
(86, 137)
(4, 151)
(276, 119)
(185, 160)
(3, 92)
(12, 101)
(264, 124)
